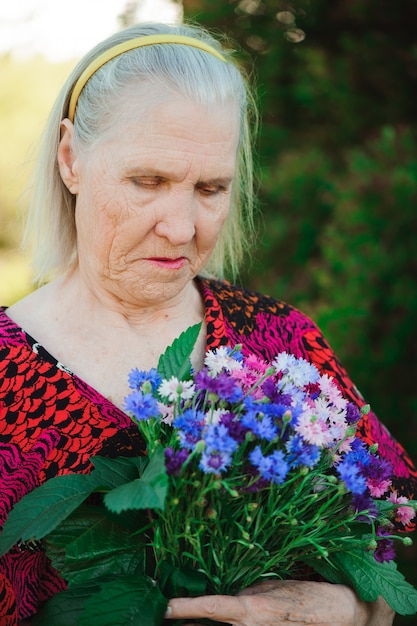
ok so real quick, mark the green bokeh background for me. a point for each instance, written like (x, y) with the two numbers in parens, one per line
(337, 159)
(338, 170)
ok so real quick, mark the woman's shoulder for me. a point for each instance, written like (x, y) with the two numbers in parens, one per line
(262, 324)
(248, 307)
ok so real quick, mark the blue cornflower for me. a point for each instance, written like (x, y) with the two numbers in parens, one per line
(191, 421)
(301, 453)
(138, 377)
(350, 473)
(266, 429)
(274, 409)
(214, 462)
(273, 467)
(217, 439)
(190, 427)
(359, 453)
(250, 420)
(141, 406)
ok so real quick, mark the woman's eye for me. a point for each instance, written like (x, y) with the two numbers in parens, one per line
(148, 182)
(210, 190)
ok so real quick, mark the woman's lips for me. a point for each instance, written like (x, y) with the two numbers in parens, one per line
(167, 263)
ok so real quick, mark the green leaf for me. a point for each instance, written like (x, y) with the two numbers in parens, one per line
(176, 360)
(181, 582)
(41, 510)
(114, 472)
(372, 579)
(88, 545)
(132, 600)
(65, 608)
(147, 492)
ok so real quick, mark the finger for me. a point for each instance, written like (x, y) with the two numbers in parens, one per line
(217, 608)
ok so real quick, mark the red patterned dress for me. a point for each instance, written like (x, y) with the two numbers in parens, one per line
(52, 422)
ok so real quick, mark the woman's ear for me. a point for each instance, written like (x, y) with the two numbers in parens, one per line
(66, 157)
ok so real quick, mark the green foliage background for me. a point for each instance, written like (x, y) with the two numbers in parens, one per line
(338, 194)
(338, 179)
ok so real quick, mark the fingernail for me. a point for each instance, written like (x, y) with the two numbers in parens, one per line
(168, 612)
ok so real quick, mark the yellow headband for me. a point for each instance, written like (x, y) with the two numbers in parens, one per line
(125, 46)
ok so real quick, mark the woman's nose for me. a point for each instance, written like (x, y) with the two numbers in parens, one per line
(176, 219)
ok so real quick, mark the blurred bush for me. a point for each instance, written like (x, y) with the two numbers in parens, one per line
(27, 90)
(338, 195)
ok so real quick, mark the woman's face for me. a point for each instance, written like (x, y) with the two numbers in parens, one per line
(152, 198)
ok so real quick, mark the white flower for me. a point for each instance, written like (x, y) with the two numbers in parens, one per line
(173, 389)
(329, 388)
(167, 413)
(297, 370)
(220, 359)
(312, 429)
(214, 417)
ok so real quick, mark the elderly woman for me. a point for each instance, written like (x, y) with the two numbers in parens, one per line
(142, 196)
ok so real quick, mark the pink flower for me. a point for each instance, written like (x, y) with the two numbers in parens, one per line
(376, 487)
(313, 430)
(167, 413)
(329, 388)
(404, 514)
(255, 363)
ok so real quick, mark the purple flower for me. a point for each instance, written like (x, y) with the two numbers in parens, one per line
(378, 469)
(350, 473)
(222, 385)
(273, 467)
(235, 427)
(363, 502)
(353, 414)
(141, 406)
(385, 548)
(378, 475)
(175, 460)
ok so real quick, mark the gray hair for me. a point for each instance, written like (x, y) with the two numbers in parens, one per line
(197, 75)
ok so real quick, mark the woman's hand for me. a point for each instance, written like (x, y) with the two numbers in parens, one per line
(275, 603)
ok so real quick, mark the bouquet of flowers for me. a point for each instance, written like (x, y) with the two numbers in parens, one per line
(253, 471)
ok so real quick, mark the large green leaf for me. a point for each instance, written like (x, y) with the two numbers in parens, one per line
(176, 360)
(372, 579)
(114, 472)
(130, 600)
(88, 545)
(65, 608)
(147, 492)
(41, 510)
